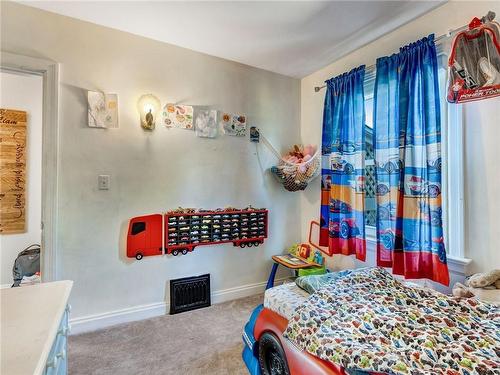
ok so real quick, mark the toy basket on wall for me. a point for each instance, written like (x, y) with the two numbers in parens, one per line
(295, 176)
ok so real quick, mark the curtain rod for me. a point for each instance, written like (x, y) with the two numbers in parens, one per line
(371, 68)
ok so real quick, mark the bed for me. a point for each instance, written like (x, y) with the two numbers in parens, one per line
(368, 321)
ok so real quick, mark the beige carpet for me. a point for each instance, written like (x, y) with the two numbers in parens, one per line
(204, 341)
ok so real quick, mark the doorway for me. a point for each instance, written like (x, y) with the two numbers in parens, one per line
(44, 75)
(24, 92)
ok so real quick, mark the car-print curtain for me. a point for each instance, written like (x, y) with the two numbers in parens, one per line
(407, 141)
(343, 161)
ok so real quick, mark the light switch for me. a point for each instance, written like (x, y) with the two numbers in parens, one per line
(103, 182)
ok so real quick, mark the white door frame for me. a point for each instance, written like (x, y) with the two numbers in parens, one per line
(49, 70)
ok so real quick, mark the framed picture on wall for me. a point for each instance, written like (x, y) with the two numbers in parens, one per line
(102, 110)
(205, 123)
(233, 124)
(178, 116)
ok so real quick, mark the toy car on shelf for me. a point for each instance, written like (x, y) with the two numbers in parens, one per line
(179, 232)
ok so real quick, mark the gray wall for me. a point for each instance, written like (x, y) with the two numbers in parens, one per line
(152, 172)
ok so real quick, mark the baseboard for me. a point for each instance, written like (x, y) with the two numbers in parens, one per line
(130, 314)
(98, 321)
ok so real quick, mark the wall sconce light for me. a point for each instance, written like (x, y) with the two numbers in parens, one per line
(148, 106)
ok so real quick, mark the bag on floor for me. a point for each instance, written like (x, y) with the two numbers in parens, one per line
(27, 263)
(474, 63)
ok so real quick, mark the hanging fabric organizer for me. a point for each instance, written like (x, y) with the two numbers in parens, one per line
(474, 63)
(296, 175)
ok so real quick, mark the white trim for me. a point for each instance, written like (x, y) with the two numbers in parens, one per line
(452, 153)
(49, 70)
(458, 266)
(371, 233)
(99, 321)
(455, 181)
(111, 318)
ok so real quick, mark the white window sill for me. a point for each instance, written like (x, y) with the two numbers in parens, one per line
(458, 265)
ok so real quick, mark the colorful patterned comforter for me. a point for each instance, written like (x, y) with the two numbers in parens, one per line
(371, 322)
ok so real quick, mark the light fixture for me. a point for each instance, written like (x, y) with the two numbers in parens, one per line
(148, 106)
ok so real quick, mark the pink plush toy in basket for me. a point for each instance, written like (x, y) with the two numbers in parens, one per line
(298, 167)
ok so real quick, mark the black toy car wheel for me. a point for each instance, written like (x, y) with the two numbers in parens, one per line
(184, 251)
(175, 252)
(256, 243)
(388, 240)
(382, 189)
(272, 359)
(242, 245)
(433, 191)
(138, 256)
(383, 213)
(348, 169)
(344, 230)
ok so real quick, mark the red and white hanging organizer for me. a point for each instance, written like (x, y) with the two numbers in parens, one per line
(474, 63)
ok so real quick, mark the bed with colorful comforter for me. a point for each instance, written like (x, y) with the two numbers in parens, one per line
(368, 321)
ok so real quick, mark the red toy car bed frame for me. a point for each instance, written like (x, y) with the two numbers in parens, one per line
(267, 352)
(180, 233)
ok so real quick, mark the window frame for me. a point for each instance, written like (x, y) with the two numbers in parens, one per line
(369, 85)
(452, 154)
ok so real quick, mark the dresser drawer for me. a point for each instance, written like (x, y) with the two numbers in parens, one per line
(57, 362)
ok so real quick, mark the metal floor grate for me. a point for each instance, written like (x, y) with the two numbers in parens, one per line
(189, 293)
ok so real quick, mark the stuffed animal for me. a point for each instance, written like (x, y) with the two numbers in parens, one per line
(318, 258)
(490, 280)
(460, 290)
(297, 167)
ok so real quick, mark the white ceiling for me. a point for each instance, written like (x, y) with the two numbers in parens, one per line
(292, 38)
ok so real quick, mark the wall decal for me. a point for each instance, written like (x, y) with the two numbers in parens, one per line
(205, 123)
(102, 110)
(234, 124)
(178, 116)
(13, 166)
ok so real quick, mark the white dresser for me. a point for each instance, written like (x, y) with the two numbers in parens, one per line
(34, 329)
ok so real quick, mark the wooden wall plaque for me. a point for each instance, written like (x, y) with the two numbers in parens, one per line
(13, 171)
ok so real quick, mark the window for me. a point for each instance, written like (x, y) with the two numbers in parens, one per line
(370, 197)
(138, 227)
(451, 145)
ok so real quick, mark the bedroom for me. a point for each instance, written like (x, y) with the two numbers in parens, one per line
(257, 60)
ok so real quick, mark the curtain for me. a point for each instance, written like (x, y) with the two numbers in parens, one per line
(343, 151)
(407, 142)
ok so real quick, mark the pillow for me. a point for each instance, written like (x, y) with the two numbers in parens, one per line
(312, 283)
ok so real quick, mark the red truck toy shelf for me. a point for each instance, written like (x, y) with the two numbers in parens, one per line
(180, 232)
